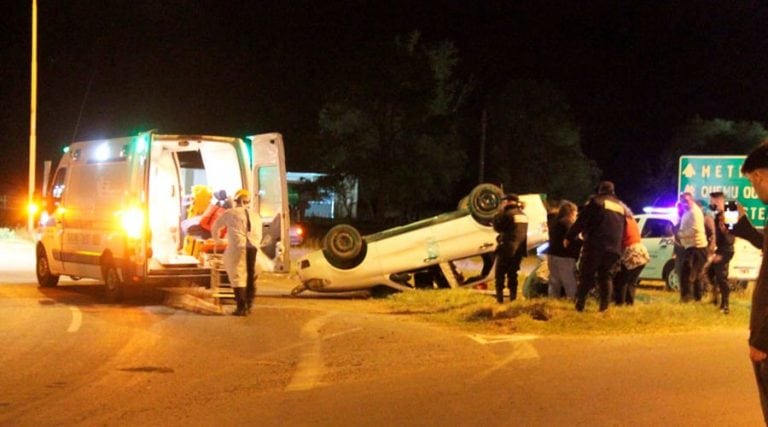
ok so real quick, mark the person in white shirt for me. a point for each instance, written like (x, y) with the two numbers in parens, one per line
(243, 237)
(693, 238)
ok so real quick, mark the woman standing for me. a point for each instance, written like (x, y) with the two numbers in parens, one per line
(562, 260)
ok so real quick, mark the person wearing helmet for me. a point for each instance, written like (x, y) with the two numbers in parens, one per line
(243, 236)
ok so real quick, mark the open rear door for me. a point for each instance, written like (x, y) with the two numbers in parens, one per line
(270, 201)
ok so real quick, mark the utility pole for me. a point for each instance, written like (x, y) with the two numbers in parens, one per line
(483, 132)
(32, 125)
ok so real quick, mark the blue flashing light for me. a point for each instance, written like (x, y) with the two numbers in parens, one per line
(660, 210)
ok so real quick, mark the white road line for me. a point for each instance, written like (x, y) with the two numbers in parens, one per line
(521, 349)
(77, 319)
(495, 339)
(309, 369)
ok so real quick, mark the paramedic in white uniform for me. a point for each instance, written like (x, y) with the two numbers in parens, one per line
(243, 237)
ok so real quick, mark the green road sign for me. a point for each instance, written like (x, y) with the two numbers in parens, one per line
(701, 175)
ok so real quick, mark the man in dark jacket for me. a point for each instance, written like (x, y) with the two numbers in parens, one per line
(601, 225)
(718, 268)
(512, 226)
(755, 168)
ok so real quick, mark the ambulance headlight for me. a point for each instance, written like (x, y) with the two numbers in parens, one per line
(133, 222)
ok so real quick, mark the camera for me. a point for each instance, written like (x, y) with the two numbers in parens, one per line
(731, 214)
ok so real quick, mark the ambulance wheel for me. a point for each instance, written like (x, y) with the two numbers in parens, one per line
(344, 247)
(484, 201)
(113, 286)
(43, 269)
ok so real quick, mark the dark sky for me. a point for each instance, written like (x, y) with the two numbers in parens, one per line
(631, 70)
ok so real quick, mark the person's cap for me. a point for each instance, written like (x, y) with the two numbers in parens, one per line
(605, 187)
(243, 194)
(511, 196)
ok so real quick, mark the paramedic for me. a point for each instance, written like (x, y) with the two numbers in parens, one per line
(243, 236)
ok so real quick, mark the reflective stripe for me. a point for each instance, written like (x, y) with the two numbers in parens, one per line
(520, 218)
(613, 206)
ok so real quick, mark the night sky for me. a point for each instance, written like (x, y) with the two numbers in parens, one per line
(631, 71)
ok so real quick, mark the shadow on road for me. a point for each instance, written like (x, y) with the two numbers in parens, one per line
(92, 294)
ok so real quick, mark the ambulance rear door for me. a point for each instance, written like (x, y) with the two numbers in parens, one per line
(270, 200)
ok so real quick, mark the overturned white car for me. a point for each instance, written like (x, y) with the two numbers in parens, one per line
(400, 257)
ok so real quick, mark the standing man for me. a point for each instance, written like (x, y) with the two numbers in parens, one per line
(243, 237)
(718, 268)
(601, 224)
(755, 168)
(693, 237)
(512, 226)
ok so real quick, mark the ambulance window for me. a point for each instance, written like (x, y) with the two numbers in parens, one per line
(655, 227)
(270, 191)
(57, 187)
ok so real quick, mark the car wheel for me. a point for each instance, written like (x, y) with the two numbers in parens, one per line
(344, 247)
(484, 202)
(670, 276)
(113, 286)
(43, 269)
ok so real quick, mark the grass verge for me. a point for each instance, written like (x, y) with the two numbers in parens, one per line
(654, 312)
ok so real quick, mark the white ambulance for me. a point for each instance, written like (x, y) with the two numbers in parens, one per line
(115, 208)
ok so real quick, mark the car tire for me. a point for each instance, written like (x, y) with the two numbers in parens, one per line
(344, 247)
(45, 278)
(113, 286)
(484, 202)
(670, 276)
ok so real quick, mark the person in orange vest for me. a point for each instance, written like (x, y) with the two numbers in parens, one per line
(633, 259)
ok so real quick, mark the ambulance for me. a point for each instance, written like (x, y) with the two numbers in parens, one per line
(116, 209)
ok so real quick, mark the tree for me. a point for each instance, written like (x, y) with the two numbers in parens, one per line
(389, 122)
(535, 143)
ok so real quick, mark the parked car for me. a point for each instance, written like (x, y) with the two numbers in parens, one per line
(400, 258)
(657, 228)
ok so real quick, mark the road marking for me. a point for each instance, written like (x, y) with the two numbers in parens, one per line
(309, 369)
(495, 339)
(522, 349)
(77, 319)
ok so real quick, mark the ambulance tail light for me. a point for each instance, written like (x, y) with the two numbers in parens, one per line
(33, 208)
(132, 221)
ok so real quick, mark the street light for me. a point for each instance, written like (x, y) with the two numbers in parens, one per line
(32, 124)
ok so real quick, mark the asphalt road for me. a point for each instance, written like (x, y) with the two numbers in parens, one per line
(69, 359)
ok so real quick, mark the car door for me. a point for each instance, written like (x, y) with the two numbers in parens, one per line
(658, 237)
(270, 200)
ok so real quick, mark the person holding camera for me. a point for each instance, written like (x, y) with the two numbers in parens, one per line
(601, 224)
(717, 272)
(512, 226)
(755, 168)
